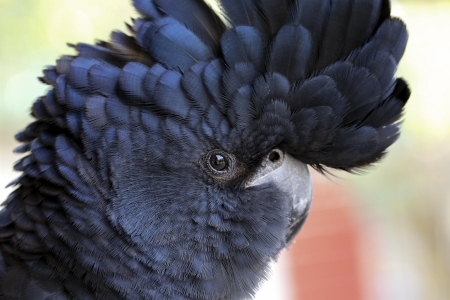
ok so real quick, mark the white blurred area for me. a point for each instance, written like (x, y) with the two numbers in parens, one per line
(279, 284)
(403, 204)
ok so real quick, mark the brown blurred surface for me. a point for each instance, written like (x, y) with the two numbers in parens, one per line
(325, 261)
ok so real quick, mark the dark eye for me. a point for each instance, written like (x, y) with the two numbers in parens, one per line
(221, 165)
(218, 162)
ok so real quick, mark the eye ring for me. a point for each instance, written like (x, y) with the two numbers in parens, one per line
(218, 162)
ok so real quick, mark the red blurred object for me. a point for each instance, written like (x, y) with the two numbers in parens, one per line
(324, 259)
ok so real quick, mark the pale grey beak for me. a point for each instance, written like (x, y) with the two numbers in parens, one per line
(292, 177)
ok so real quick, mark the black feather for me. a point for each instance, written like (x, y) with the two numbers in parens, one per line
(119, 195)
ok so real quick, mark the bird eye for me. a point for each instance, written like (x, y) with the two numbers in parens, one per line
(221, 165)
(218, 162)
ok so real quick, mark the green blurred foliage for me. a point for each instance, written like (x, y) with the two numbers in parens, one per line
(34, 34)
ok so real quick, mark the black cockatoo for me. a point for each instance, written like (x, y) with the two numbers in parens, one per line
(171, 163)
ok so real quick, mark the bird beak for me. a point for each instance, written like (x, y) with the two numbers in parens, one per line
(293, 179)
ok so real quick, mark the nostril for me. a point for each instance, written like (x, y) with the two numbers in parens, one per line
(274, 156)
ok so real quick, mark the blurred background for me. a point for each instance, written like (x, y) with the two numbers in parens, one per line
(383, 235)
